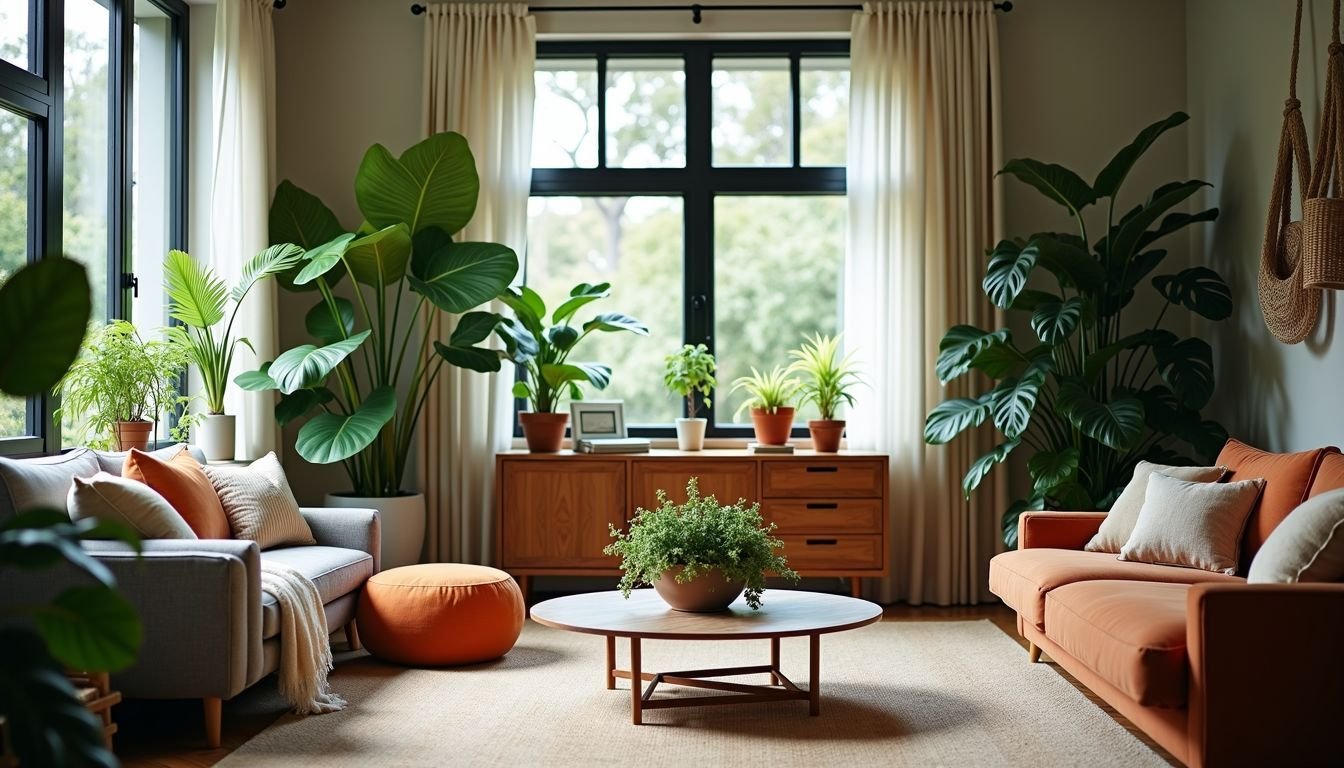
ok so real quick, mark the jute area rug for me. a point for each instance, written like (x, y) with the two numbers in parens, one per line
(895, 694)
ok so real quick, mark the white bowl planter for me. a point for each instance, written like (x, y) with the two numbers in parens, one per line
(215, 436)
(691, 434)
(401, 521)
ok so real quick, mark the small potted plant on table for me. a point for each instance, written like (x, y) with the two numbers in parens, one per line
(550, 375)
(690, 371)
(700, 555)
(768, 398)
(826, 385)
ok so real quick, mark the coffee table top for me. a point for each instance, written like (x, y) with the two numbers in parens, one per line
(783, 613)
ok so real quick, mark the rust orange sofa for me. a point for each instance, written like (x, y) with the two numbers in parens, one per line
(1217, 671)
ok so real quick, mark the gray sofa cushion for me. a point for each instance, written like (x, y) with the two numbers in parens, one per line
(112, 461)
(336, 572)
(41, 482)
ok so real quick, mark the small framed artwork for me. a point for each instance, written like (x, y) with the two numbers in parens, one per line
(597, 419)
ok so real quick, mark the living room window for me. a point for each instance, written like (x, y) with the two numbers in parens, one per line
(705, 181)
(91, 162)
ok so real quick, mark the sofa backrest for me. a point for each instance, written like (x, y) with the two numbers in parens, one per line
(44, 481)
(1288, 479)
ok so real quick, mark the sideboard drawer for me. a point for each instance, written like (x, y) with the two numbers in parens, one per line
(822, 478)
(823, 515)
(821, 552)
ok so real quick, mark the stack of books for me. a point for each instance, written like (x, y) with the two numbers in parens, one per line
(762, 448)
(612, 445)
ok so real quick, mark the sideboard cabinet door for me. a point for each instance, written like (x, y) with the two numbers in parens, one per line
(556, 513)
(726, 479)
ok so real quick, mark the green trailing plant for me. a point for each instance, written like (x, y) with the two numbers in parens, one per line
(199, 300)
(88, 627)
(700, 535)
(1087, 397)
(690, 372)
(550, 374)
(364, 381)
(120, 377)
(766, 391)
(827, 377)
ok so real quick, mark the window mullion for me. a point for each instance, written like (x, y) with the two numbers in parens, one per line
(120, 162)
(698, 264)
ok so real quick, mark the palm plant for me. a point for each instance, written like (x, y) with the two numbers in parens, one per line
(826, 379)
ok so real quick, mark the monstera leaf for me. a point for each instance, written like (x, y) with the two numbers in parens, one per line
(1055, 322)
(1009, 267)
(951, 417)
(1187, 367)
(1117, 424)
(982, 466)
(960, 346)
(1015, 398)
(1199, 289)
(1050, 469)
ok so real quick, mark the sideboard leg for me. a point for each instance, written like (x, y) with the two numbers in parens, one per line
(855, 586)
(636, 684)
(525, 586)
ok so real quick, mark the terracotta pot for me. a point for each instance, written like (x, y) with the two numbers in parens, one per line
(133, 434)
(690, 434)
(544, 431)
(826, 434)
(772, 428)
(707, 593)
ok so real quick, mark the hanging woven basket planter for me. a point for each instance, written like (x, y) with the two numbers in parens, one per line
(1323, 207)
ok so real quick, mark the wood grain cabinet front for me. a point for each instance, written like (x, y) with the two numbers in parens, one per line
(727, 480)
(555, 514)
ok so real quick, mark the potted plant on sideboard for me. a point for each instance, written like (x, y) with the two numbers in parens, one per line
(700, 555)
(359, 390)
(826, 383)
(550, 374)
(768, 398)
(198, 300)
(120, 385)
(690, 372)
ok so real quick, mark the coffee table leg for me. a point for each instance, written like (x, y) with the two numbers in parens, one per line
(636, 684)
(814, 676)
(611, 662)
(774, 659)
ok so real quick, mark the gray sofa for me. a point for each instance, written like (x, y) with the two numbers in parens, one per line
(209, 630)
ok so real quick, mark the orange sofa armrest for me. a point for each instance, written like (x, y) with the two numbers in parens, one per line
(1266, 673)
(1057, 530)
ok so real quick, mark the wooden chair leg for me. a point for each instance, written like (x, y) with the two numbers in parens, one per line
(352, 635)
(214, 715)
(1033, 652)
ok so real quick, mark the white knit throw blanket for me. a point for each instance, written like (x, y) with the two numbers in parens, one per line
(305, 647)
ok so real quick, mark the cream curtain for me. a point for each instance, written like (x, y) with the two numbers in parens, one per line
(923, 206)
(244, 166)
(479, 63)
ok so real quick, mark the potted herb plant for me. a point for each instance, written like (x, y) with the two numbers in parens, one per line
(121, 384)
(768, 398)
(699, 555)
(550, 374)
(198, 300)
(826, 383)
(690, 372)
(363, 382)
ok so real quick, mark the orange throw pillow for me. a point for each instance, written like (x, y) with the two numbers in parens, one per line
(1288, 477)
(181, 481)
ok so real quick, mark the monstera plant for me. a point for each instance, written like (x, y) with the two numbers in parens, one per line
(364, 379)
(1084, 393)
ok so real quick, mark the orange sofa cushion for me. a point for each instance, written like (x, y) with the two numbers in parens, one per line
(1023, 577)
(439, 614)
(1329, 476)
(183, 483)
(1288, 476)
(1130, 633)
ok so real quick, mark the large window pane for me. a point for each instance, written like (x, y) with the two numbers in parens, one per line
(823, 85)
(634, 243)
(151, 149)
(753, 112)
(773, 283)
(564, 130)
(15, 46)
(14, 193)
(646, 113)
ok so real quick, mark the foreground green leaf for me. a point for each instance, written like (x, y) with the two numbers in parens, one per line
(329, 437)
(90, 628)
(47, 725)
(34, 357)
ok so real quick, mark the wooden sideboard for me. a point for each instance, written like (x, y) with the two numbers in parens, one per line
(553, 509)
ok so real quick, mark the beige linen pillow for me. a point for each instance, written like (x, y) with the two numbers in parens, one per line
(1119, 523)
(135, 505)
(1307, 546)
(259, 504)
(1191, 524)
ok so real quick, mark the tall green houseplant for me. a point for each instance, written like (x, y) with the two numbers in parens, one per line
(364, 380)
(1085, 395)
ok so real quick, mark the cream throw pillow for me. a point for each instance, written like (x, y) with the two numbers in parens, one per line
(135, 505)
(259, 504)
(1307, 546)
(1190, 524)
(1119, 523)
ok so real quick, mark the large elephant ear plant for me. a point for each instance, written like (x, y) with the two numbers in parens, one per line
(361, 393)
(1086, 398)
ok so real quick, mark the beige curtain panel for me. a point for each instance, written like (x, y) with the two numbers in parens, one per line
(479, 63)
(924, 146)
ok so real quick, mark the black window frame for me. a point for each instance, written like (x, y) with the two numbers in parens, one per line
(699, 182)
(39, 96)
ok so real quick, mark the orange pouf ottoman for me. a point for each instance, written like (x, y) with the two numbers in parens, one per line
(439, 614)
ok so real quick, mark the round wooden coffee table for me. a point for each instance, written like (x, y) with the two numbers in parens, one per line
(783, 613)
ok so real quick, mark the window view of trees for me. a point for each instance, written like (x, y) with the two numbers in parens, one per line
(14, 131)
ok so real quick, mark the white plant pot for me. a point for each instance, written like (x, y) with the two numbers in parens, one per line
(691, 434)
(215, 436)
(401, 521)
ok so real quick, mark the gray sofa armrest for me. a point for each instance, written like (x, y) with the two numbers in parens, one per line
(352, 528)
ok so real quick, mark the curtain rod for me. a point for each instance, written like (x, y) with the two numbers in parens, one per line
(696, 10)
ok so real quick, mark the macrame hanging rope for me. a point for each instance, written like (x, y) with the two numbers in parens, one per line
(1323, 207)
(1290, 308)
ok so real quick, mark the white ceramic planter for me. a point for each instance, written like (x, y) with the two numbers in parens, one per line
(401, 522)
(691, 434)
(215, 436)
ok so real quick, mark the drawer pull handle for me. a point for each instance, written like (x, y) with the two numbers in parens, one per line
(823, 469)
(822, 542)
(823, 505)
